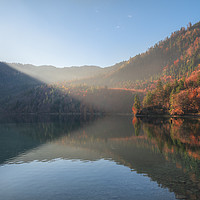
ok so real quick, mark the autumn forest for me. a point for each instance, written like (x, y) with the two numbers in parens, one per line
(164, 80)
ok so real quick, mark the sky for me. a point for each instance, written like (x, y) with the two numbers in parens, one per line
(87, 32)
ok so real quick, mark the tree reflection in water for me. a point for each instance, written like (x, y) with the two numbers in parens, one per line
(166, 149)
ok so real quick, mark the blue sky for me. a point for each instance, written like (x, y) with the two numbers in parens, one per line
(87, 32)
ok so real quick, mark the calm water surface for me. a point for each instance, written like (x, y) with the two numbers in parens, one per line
(67, 157)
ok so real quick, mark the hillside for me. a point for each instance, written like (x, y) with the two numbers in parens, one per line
(61, 99)
(13, 81)
(172, 63)
(175, 98)
(170, 59)
(44, 89)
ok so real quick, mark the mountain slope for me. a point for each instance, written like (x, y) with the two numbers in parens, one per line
(170, 59)
(174, 58)
(13, 81)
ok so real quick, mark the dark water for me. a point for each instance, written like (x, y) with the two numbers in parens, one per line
(67, 157)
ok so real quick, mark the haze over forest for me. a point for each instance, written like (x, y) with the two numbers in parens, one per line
(158, 79)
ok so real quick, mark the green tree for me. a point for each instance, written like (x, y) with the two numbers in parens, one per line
(159, 93)
(148, 99)
(136, 106)
(159, 85)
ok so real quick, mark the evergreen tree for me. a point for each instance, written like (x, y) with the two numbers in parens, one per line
(137, 104)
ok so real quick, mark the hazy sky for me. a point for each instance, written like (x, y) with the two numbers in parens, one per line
(87, 32)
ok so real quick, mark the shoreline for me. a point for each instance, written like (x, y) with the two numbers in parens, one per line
(170, 116)
(108, 114)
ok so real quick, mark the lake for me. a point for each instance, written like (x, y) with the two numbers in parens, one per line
(111, 157)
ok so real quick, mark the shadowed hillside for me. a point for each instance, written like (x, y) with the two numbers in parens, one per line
(13, 82)
(21, 93)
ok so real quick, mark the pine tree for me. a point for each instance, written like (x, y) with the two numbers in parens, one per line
(136, 106)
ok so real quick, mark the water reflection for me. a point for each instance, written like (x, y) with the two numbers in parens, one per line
(178, 141)
(166, 150)
(20, 133)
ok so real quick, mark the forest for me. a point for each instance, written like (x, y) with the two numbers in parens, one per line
(61, 98)
(163, 80)
(176, 89)
(175, 98)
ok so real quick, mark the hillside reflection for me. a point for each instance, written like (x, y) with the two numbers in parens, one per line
(166, 150)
